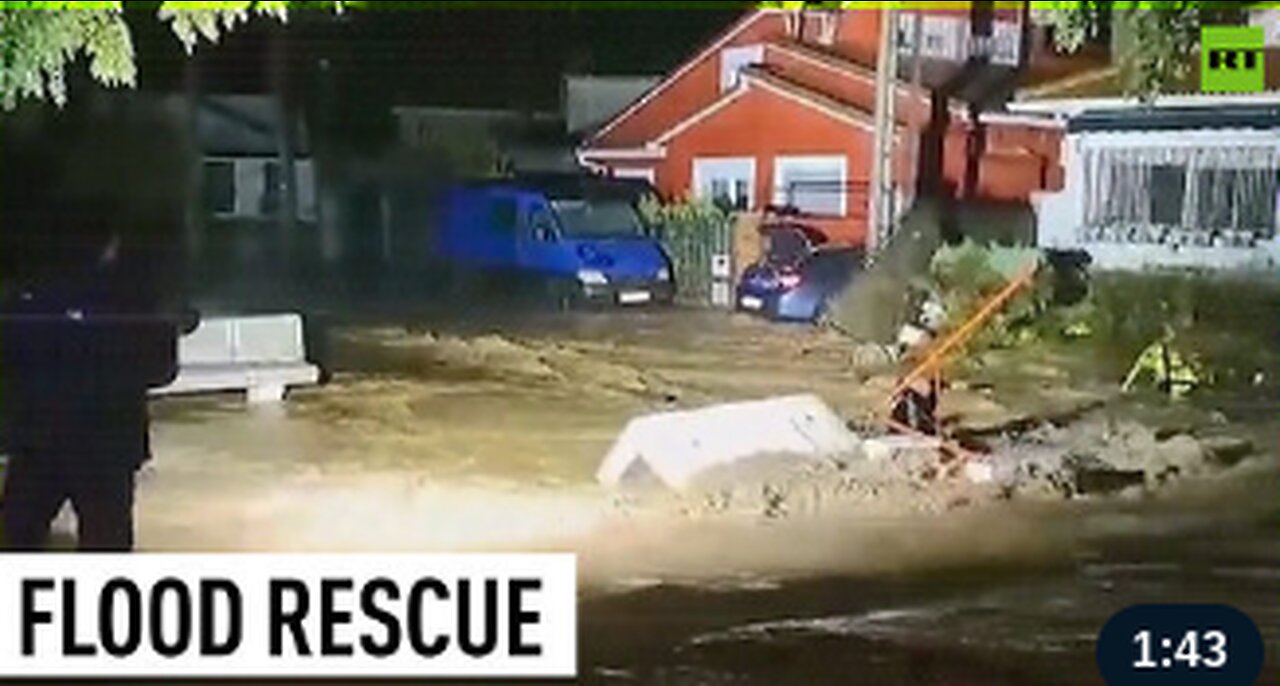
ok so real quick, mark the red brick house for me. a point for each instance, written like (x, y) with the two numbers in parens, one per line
(778, 110)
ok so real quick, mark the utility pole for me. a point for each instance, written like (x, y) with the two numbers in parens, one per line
(285, 113)
(194, 218)
(918, 97)
(881, 216)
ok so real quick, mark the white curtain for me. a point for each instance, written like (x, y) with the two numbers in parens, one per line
(1148, 193)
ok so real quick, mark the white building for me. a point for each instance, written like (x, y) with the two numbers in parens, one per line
(1186, 181)
(243, 179)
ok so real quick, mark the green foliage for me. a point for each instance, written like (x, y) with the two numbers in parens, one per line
(1228, 322)
(39, 43)
(1156, 41)
(1077, 23)
(964, 277)
(192, 21)
(691, 231)
(40, 39)
(685, 217)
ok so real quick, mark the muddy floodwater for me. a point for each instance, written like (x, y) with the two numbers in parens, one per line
(441, 437)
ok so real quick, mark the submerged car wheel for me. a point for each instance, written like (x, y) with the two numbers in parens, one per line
(563, 294)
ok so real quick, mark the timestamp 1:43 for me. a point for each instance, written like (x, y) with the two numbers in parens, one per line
(1194, 649)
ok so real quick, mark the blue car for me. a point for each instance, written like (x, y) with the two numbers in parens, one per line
(577, 239)
(798, 275)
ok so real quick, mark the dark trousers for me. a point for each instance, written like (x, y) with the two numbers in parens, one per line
(101, 491)
(917, 411)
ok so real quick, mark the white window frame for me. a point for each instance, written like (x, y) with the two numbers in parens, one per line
(1006, 43)
(732, 61)
(944, 37)
(828, 24)
(248, 185)
(735, 168)
(783, 163)
(1080, 145)
(641, 173)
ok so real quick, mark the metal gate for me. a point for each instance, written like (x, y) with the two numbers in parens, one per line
(700, 246)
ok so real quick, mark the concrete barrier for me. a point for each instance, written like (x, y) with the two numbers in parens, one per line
(678, 446)
(262, 355)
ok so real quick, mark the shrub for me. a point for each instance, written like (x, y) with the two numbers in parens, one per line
(691, 231)
(965, 276)
(1230, 322)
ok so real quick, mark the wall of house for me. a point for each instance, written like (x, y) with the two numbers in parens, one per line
(749, 128)
(697, 87)
(857, 34)
(250, 179)
(1017, 160)
(1018, 163)
(840, 83)
(1060, 215)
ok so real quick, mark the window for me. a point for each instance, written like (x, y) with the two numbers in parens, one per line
(272, 188)
(1237, 199)
(727, 181)
(502, 216)
(828, 22)
(542, 225)
(733, 60)
(907, 22)
(812, 184)
(600, 217)
(1168, 191)
(942, 37)
(220, 186)
(1006, 43)
(1230, 191)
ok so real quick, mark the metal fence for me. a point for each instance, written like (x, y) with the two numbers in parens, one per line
(700, 246)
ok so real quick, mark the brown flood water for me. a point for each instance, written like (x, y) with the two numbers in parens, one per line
(451, 439)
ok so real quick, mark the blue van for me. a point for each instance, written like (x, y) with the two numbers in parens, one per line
(576, 238)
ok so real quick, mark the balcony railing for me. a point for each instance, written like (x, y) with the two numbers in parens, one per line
(949, 38)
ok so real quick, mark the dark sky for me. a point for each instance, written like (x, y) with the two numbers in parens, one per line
(465, 58)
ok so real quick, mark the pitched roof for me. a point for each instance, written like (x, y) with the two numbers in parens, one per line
(806, 94)
(763, 78)
(727, 35)
(840, 64)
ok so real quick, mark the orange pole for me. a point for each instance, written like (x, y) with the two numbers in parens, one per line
(969, 328)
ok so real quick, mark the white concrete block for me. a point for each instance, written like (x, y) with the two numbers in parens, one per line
(265, 393)
(261, 355)
(677, 446)
(884, 448)
(272, 338)
(210, 343)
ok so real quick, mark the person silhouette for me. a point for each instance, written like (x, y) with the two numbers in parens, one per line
(79, 349)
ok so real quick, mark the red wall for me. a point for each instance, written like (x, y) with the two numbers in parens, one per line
(858, 36)
(763, 125)
(694, 90)
(1018, 159)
